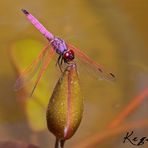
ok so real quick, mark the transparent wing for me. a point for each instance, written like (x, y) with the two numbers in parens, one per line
(31, 70)
(45, 64)
(102, 74)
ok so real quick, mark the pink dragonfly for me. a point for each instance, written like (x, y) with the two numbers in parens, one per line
(66, 54)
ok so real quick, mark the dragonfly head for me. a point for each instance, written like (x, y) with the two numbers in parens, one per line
(68, 55)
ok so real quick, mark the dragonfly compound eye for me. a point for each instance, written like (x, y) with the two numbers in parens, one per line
(68, 55)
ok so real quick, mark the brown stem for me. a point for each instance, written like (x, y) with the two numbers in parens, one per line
(59, 143)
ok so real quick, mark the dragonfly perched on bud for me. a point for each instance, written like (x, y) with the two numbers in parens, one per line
(66, 54)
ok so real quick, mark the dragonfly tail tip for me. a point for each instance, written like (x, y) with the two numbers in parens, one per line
(25, 11)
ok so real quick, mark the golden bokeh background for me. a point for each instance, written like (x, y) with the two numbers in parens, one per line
(113, 33)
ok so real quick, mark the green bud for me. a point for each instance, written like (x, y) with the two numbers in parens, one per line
(65, 107)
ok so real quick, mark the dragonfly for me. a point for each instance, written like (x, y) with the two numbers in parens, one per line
(65, 51)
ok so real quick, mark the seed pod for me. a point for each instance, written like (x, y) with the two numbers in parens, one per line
(65, 107)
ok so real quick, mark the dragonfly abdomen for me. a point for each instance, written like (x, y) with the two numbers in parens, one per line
(38, 25)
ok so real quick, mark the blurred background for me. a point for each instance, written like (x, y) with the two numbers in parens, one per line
(113, 33)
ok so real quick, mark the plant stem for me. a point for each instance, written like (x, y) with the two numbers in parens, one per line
(59, 143)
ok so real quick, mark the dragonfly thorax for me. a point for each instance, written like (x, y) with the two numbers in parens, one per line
(59, 45)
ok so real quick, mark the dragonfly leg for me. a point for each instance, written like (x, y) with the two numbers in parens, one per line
(59, 62)
(66, 62)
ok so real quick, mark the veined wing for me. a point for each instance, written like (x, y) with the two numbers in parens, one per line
(31, 70)
(45, 64)
(95, 66)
